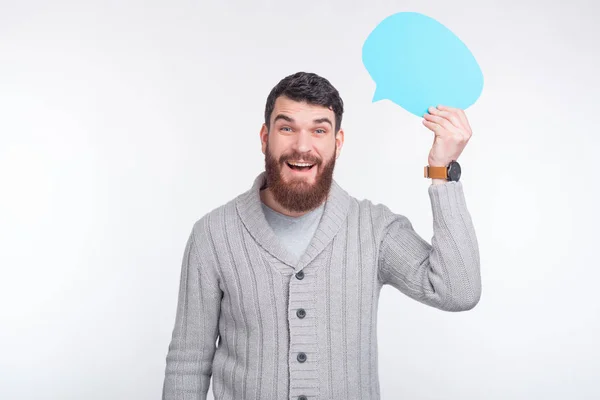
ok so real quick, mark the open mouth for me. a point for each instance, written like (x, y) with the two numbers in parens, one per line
(300, 167)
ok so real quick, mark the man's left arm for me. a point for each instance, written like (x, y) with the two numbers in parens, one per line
(445, 274)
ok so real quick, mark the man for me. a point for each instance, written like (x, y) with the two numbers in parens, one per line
(287, 275)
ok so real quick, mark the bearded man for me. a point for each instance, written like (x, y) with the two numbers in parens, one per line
(279, 287)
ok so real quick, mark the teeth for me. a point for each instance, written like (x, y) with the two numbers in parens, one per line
(300, 164)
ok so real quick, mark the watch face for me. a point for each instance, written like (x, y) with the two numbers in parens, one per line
(454, 171)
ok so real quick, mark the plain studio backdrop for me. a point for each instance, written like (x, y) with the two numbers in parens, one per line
(122, 123)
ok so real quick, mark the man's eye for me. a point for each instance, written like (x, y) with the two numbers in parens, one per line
(320, 130)
(286, 128)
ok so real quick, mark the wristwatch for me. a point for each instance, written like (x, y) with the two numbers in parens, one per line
(449, 173)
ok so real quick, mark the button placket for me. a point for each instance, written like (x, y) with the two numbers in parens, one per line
(304, 379)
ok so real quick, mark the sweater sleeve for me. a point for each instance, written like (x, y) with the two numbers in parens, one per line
(192, 347)
(445, 274)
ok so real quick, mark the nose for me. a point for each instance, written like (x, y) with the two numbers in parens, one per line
(303, 141)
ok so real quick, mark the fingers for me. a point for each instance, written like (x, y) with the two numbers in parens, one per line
(432, 126)
(447, 113)
(456, 116)
(443, 123)
(461, 115)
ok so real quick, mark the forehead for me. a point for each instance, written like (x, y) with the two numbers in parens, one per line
(300, 109)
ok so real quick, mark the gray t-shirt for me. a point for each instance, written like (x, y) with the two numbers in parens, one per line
(295, 233)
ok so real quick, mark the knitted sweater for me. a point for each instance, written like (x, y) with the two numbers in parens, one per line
(305, 328)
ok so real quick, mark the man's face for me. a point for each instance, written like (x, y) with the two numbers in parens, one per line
(300, 133)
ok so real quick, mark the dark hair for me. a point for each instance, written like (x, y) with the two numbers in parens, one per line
(308, 87)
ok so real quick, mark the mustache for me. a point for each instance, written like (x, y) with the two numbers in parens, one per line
(296, 156)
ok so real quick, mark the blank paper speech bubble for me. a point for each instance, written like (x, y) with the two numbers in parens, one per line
(416, 62)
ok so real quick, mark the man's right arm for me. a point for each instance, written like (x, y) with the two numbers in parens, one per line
(190, 355)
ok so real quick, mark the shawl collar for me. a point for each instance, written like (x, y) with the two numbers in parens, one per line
(334, 215)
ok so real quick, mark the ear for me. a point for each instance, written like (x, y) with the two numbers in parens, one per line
(264, 137)
(339, 142)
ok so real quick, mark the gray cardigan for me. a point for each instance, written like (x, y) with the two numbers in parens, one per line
(305, 328)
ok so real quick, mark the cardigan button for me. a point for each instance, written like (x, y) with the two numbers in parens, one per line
(301, 357)
(302, 397)
(301, 313)
(300, 275)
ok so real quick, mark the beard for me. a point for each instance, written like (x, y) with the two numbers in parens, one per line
(298, 194)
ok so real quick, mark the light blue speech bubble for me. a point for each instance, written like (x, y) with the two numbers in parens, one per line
(417, 62)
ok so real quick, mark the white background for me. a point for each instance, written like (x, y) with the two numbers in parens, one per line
(122, 123)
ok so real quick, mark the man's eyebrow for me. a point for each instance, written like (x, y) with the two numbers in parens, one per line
(321, 120)
(283, 117)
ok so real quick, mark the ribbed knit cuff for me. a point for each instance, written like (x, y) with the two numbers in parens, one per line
(447, 200)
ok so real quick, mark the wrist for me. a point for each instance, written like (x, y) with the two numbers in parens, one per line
(435, 181)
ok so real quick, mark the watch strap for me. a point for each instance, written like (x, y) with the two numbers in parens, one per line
(436, 172)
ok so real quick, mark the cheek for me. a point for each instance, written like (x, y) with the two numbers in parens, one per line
(327, 153)
(274, 154)
(277, 147)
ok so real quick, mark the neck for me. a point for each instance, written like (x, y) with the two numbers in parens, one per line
(267, 198)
